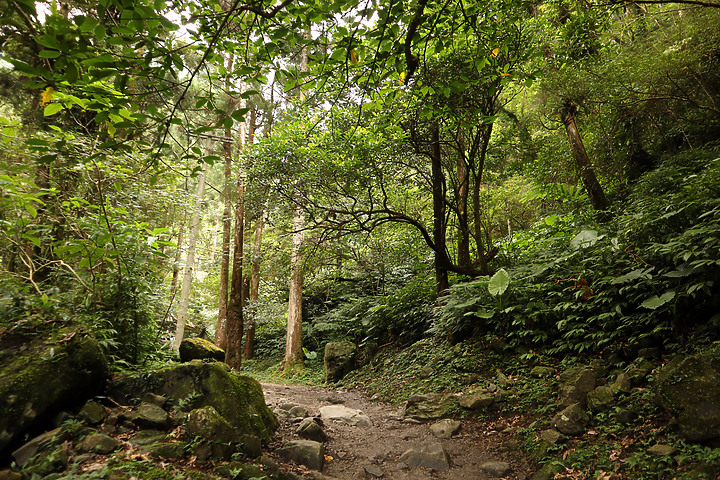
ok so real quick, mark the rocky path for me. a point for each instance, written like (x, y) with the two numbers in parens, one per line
(477, 451)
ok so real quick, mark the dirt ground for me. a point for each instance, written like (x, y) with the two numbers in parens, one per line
(357, 453)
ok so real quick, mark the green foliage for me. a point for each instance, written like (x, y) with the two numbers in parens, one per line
(578, 288)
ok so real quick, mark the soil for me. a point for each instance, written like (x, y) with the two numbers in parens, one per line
(354, 452)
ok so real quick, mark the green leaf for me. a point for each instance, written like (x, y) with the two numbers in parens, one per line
(52, 109)
(49, 54)
(585, 238)
(634, 275)
(499, 283)
(655, 302)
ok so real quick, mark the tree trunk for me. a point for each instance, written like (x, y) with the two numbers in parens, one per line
(442, 261)
(593, 188)
(463, 255)
(254, 288)
(234, 321)
(480, 244)
(293, 338)
(189, 262)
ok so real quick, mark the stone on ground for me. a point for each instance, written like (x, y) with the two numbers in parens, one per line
(148, 415)
(661, 450)
(445, 428)
(200, 349)
(59, 367)
(476, 401)
(340, 359)
(311, 429)
(23, 454)
(305, 452)
(341, 413)
(208, 424)
(238, 399)
(496, 469)
(99, 443)
(572, 420)
(542, 372)
(600, 399)
(575, 384)
(430, 407)
(689, 388)
(373, 470)
(92, 413)
(428, 455)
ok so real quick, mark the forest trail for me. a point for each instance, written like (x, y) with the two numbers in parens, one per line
(356, 452)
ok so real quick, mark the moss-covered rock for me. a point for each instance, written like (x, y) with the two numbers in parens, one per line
(200, 349)
(340, 359)
(208, 424)
(238, 399)
(430, 407)
(46, 367)
(689, 388)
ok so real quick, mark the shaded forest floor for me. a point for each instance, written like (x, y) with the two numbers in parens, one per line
(355, 452)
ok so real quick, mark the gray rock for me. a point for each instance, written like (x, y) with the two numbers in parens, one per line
(153, 399)
(575, 384)
(622, 383)
(305, 452)
(98, 443)
(166, 450)
(340, 359)
(147, 437)
(661, 450)
(341, 413)
(200, 349)
(542, 372)
(208, 424)
(689, 388)
(311, 429)
(60, 367)
(298, 411)
(427, 455)
(445, 428)
(496, 469)
(572, 420)
(430, 407)
(23, 454)
(552, 436)
(373, 470)
(92, 413)
(476, 401)
(600, 399)
(148, 415)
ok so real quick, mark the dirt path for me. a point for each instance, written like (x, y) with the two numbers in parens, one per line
(364, 453)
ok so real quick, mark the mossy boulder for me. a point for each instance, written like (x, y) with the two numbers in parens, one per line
(46, 367)
(430, 407)
(238, 399)
(689, 388)
(200, 349)
(340, 359)
(208, 424)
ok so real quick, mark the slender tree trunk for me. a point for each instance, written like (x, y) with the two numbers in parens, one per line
(439, 223)
(227, 224)
(189, 262)
(234, 322)
(254, 287)
(463, 255)
(293, 339)
(593, 188)
(176, 263)
(477, 210)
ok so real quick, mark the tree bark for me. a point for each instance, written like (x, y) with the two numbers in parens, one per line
(189, 262)
(254, 288)
(293, 338)
(442, 261)
(593, 188)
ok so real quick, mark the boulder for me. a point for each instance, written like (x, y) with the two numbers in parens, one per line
(445, 428)
(311, 429)
(238, 399)
(208, 424)
(47, 367)
(542, 372)
(572, 420)
(600, 399)
(575, 384)
(98, 443)
(428, 455)
(476, 401)
(340, 359)
(200, 349)
(305, 452)
(660, 450)
(148, 415)
(689, 388)
(622, 383)
(551, 436)
(92, 413)
(341, 413)
(430, 407)
(42, 442)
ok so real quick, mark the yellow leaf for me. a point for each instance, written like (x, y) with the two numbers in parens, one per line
(353, 57)
(46, 96)
(402, 78)
(505, 74)
(495, 52)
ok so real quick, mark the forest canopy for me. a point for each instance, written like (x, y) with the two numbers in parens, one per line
(541, 171)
